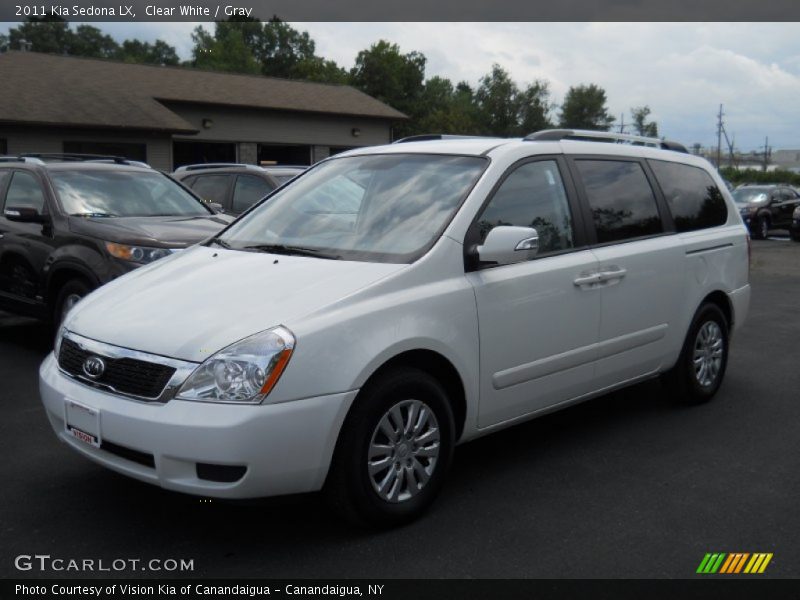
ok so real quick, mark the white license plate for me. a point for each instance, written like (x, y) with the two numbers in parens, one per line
(82, 422)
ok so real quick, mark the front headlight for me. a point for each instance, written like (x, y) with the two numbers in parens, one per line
(138, 254)
(244, 372)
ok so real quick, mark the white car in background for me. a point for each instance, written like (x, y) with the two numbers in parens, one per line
(395, 301)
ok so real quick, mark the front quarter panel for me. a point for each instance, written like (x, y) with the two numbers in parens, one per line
(426, 306)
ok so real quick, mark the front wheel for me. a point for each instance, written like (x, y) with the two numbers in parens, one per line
(68, 296)
(697, 375)
(393, 451)
(795, 234)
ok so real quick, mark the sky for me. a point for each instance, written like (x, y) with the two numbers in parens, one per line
(683, 71)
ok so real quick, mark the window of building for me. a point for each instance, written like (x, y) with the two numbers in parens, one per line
(693, 198)
(622, 201)
(3, 146)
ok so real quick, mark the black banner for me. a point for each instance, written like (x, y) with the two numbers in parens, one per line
(408, 10)
(405, 589)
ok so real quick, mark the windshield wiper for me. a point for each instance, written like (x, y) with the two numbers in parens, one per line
(93, 214)
(220, 242)
(292, 250)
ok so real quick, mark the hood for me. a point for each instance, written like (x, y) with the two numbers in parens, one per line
(161, 232)
(194, 303)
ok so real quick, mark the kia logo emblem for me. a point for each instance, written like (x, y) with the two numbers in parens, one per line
(94, 367)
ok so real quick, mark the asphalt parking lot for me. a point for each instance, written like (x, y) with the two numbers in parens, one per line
(627, 485)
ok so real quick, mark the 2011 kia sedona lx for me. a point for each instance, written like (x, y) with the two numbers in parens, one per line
(392, 302)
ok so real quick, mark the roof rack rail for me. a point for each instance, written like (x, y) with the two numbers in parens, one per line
(585, 135)
(78, 157)
(201, 166)
(23, 159)
(429, 137)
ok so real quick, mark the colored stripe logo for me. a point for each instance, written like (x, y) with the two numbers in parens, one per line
(734, 563)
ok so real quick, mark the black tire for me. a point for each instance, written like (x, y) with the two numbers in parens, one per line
(67, 293)
(795, 235)
(760, 229)
(682, 381)
(349, 488)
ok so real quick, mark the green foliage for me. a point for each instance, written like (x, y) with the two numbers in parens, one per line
(585, 107)
(226, 50)
(737, 176)
(640, 124)
(54, 35)
(158, 53)
(394, 78)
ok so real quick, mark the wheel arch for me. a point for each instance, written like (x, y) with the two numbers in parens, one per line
(60, 274)
(439, 367)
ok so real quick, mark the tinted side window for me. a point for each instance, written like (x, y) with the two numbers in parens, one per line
(211, 188)
(693, 198)
(248, 191)
(622, 201)
(532, 196)
(4, 174)
(24, 191)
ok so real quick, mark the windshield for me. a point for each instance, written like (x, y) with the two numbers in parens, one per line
(750, 195)
(118, 193)
(379, 208)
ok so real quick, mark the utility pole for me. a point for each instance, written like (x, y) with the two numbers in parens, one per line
(622, 123)
(767, 153)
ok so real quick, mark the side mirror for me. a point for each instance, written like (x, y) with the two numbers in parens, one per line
(24, 214)
(505, 245)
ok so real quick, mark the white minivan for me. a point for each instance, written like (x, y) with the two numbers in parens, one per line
(390, 302)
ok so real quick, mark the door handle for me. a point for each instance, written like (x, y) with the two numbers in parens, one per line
(587, 279)
(612, 273)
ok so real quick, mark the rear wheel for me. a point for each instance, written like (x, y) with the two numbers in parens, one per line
(393, 451)
(795, 234)
(68, 296)
(697, 375)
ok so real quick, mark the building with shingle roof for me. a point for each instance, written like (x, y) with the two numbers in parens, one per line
(169, 116)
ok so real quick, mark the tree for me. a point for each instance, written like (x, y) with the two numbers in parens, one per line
(320, 70)
(498, 104)
(158, 53)
(89, 41)
(640, 124)
(535, 107)
(391, 77)
(226, 50)
(3, 42)
(44, 34)
(585, 107)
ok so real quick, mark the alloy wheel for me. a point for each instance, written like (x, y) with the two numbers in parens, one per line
(403, 451)
(708, 354)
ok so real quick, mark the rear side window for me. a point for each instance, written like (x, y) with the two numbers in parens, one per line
(693, 198)
(249, 190)
(211, 188)
(24, 191)
(621, 199)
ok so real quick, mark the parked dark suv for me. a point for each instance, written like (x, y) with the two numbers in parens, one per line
(69, 225)
(235, 187)
(765, 207)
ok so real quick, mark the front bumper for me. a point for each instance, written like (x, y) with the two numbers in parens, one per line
(286, 448)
